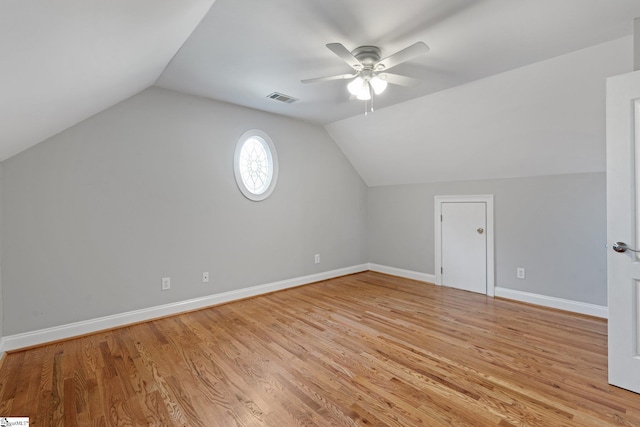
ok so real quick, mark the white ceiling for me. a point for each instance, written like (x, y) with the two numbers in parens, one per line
(246, 49)
(63, 61)
(546, 118)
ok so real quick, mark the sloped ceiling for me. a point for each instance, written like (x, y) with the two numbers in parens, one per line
(63, 61)
(245, 49)
(546, 118)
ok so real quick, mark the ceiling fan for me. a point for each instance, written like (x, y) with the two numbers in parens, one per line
(371, 74)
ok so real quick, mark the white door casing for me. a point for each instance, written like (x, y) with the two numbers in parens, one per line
(623, 213)
(465, 255)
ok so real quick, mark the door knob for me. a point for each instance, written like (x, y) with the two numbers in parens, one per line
(622, 247)
(480, 230)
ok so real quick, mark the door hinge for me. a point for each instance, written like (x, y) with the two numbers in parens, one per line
(440, 218)
(441, 270)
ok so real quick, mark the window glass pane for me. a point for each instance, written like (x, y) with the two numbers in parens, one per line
(255, 165)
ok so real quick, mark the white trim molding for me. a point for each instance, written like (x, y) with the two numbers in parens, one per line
(483, 198)
(408, 274)
(56, 333)
(71, 330)
(553, 302)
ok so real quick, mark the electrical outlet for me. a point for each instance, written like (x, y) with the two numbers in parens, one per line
(317, 258)
(205, 277)
(520, 273)
(166, 283)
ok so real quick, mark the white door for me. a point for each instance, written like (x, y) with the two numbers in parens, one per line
(623, 214)
(464, 246)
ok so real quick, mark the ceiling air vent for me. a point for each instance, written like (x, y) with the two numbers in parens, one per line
(282, 98)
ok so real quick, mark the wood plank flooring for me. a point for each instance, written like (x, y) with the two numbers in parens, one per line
(366, 349)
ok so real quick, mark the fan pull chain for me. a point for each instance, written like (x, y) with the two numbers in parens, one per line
(368, 110)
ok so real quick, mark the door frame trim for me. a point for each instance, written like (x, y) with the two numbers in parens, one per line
(486, 198)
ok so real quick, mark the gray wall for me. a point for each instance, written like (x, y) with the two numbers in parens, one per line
(554, 226)
(95, 216)
(1, 301)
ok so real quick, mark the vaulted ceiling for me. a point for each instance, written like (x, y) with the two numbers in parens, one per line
(246, 49)
(63, 61)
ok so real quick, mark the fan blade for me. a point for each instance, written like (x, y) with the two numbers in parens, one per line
(345, 55)
(397, 79)
(416, 49)
(326, 79)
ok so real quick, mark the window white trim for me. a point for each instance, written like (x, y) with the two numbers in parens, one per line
(272, 156)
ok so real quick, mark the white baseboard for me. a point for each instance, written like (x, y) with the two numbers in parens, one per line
(542, 300)
(422, 277)
(42, 336)
(552, 302)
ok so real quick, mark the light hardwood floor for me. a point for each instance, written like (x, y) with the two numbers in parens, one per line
(365, 349)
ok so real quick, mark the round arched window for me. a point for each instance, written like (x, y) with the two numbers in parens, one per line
(255, 165)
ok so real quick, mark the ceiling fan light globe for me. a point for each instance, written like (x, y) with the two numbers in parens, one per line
(365, 92)
(355, 87)
(378, 85)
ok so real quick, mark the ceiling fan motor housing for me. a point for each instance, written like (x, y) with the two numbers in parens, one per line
(367, 55)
